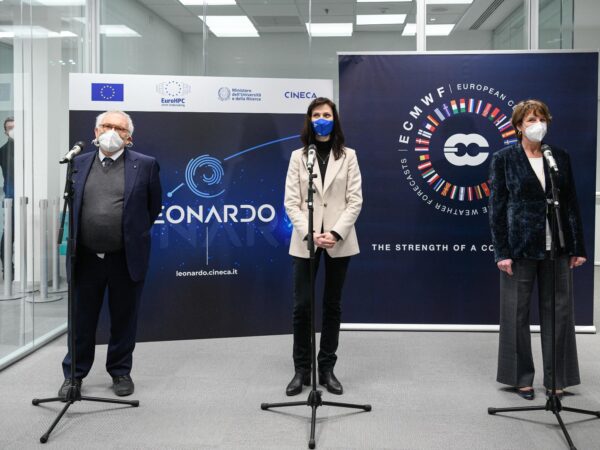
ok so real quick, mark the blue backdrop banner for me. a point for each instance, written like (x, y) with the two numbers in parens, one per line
(219, 265)
(425, 127)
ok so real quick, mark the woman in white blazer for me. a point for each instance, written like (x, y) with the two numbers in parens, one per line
(337, 203)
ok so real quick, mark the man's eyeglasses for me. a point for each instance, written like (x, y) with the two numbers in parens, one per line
(110, 126)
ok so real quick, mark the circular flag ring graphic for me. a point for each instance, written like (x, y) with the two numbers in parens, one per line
(442, 186)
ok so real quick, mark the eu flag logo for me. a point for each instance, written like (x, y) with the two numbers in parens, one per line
(105, 92)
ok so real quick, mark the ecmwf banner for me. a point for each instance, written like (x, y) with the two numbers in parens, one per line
(424, 230)
(220, 264)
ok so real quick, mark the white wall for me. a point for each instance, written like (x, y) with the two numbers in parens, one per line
(282, 55)
(159, 50)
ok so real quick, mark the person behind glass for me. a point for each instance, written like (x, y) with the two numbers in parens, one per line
(522, 239)
(117, 197)
(337, 204)
(7, 164)
(7, 158)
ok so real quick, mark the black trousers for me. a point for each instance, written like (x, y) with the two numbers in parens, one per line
(93, 276)
(335, 274)
(515, 361)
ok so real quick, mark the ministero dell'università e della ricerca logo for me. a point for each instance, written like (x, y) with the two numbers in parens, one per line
(446, 144)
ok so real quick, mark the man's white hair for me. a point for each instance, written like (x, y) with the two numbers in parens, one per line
(100, 118)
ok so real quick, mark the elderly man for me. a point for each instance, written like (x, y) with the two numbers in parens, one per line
(117, 197)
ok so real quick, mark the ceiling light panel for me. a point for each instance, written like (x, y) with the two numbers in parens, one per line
(410, 29)
(208, 2)
(329, 29)
(231, 26)
(380, 19)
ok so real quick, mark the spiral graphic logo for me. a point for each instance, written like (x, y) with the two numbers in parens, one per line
(210, 172)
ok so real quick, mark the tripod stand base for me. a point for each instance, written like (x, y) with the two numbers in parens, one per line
(314, 400)
(553, 405)
(72, 398)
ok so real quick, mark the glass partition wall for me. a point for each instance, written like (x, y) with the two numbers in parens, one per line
(42, 41)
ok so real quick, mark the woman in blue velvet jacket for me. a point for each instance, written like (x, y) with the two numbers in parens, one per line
(518, 214)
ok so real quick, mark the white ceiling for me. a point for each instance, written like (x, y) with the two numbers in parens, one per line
(289, 16)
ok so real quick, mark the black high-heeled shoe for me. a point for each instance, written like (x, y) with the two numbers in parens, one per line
(559, 393)
(526, 394)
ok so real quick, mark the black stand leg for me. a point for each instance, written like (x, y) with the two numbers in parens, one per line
(73, 394)
(315, 396)
(553, 403)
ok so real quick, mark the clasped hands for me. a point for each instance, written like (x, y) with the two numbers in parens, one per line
(324, 240)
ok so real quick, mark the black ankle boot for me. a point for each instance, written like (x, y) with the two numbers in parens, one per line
(332, 384)
(295, 386)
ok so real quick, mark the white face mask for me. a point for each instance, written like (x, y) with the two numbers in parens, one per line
(110, 141)
(536, 132)
(11, 133)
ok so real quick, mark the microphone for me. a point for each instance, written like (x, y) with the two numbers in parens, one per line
(549, 158)
(77, 148)
(312, 152)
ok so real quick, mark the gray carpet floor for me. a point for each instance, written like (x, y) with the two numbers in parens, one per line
(428, 391)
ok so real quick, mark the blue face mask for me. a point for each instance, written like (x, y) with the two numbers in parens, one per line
(323, 127)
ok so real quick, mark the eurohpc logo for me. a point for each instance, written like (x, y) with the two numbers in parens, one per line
(448, 138)
(173, 93)
(224, 93)
(108, 92)
(300, 94)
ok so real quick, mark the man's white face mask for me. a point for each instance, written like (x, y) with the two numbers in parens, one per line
(11, 133)
(536, 132)
(110, 141)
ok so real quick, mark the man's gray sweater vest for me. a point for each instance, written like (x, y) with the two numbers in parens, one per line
(102, 207)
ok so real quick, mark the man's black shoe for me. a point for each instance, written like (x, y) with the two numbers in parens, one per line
(332, 384)
(64, 389)
(295, 386)
(123, 385)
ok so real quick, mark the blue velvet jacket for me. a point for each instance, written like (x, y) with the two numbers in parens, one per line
(517, 207)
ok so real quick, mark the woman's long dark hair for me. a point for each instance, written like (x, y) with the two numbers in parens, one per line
(337, 135)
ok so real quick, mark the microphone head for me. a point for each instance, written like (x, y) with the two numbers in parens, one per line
(546, 149)
(312, 147)
(311, 156)
(78, 147)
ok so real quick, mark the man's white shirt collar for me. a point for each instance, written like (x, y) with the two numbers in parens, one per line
(114, 156)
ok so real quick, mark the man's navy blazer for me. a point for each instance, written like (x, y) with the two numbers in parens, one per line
(518, 206)
(141, 206)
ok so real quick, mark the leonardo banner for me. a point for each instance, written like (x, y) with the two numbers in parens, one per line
(425, 127)
(219, 265)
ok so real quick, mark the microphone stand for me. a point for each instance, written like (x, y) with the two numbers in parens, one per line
(73, 394)
(553, 403)
(315, 397)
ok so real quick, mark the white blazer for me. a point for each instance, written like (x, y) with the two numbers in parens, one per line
(337, 202)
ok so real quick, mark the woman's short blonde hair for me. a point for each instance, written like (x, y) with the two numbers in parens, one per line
(538, 107)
